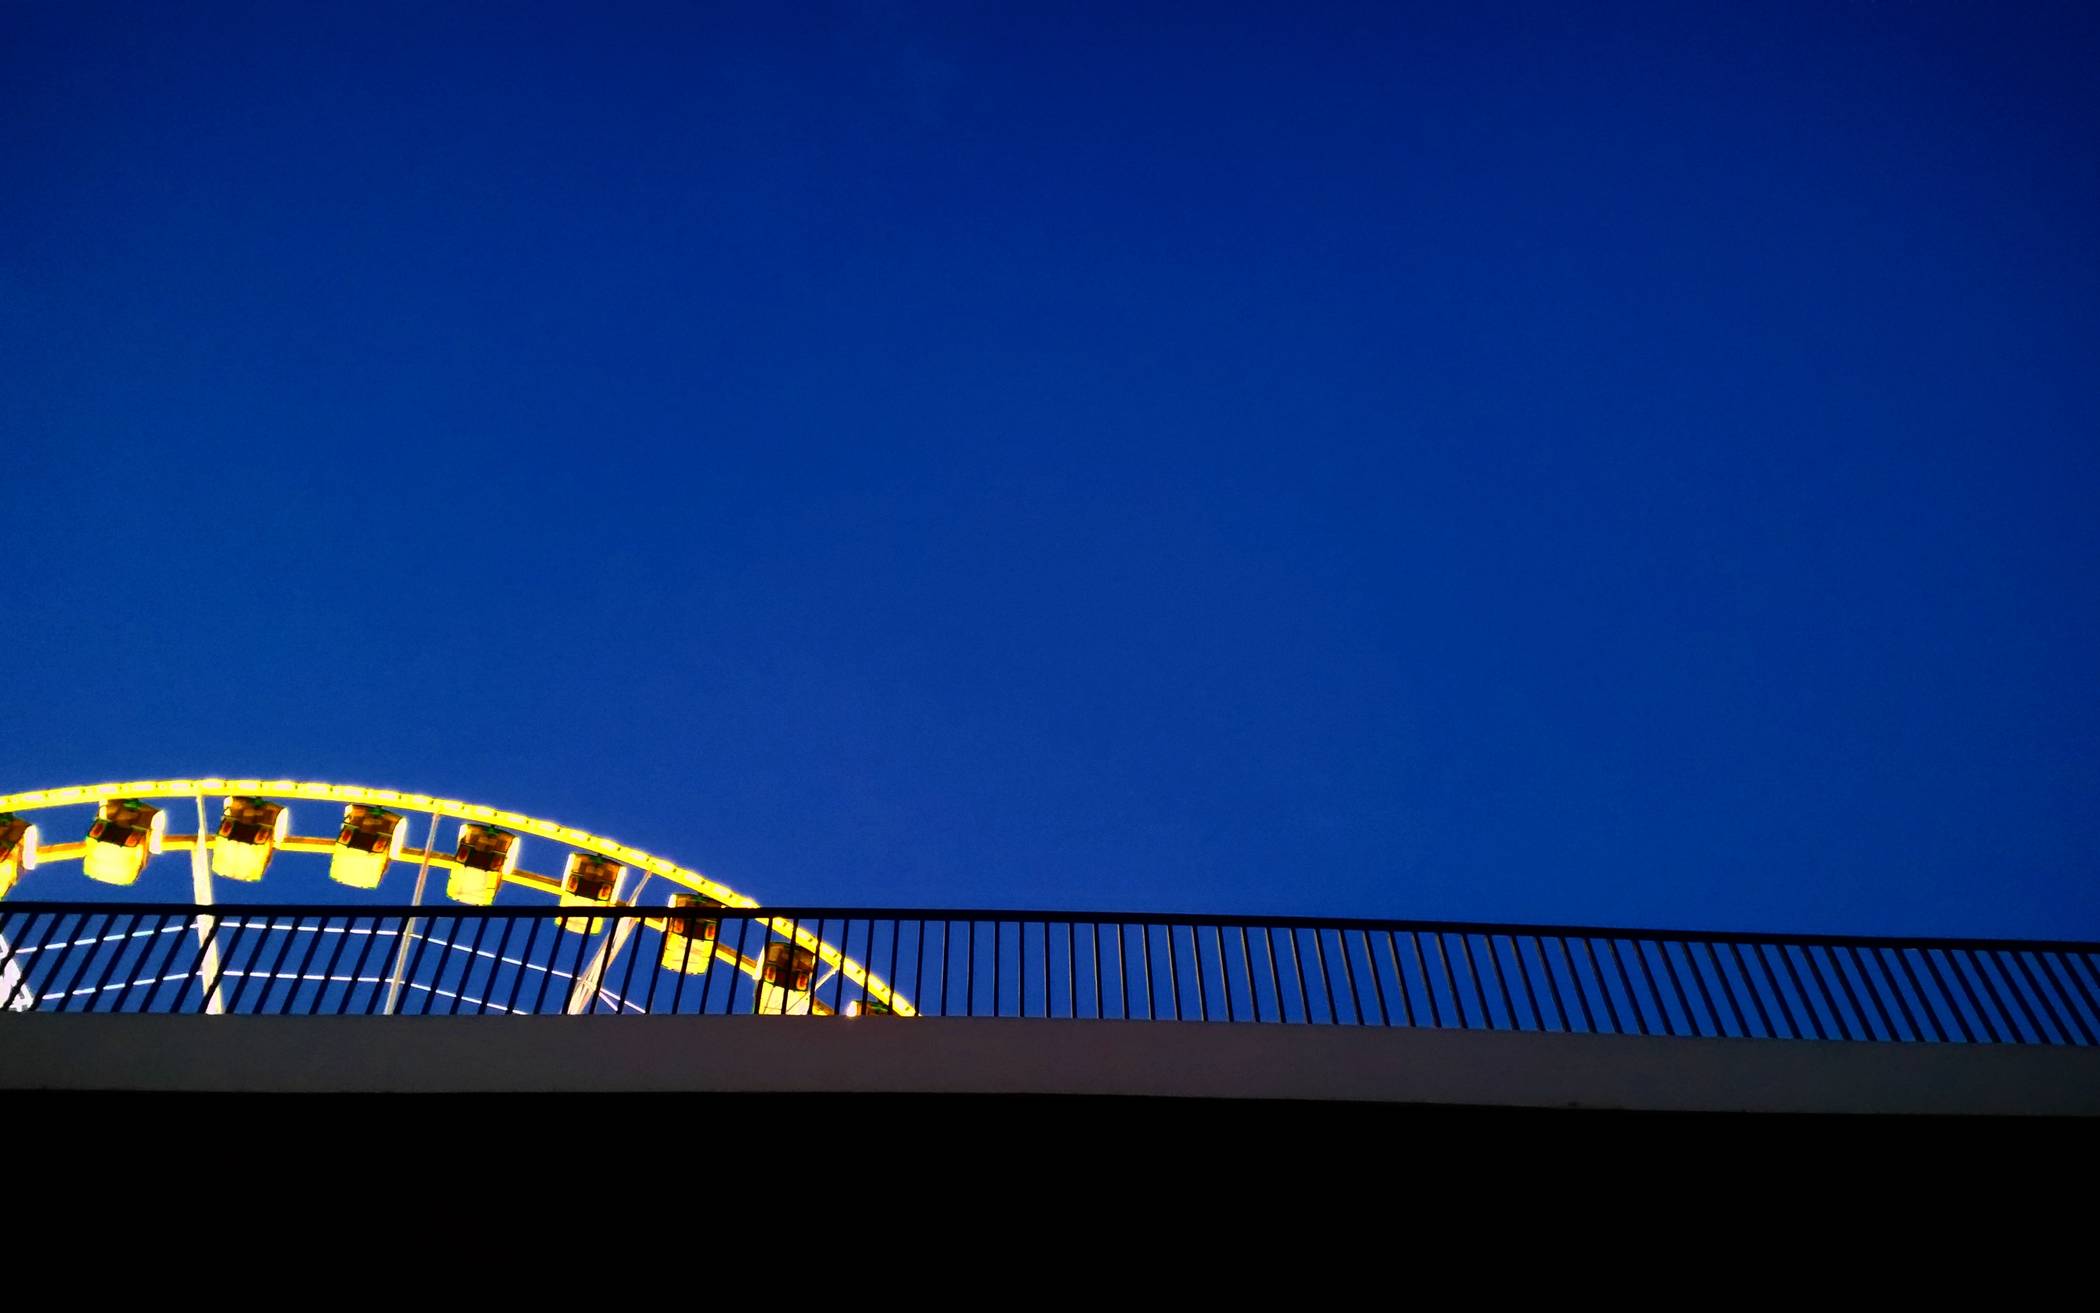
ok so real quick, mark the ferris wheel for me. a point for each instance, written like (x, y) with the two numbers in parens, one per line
(241, 826)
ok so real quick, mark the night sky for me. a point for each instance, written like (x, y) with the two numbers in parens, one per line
(1626, 464)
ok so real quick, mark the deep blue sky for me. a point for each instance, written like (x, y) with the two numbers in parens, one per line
(1614, 463)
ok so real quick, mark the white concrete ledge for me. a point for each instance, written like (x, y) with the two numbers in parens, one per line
(1010, 1056)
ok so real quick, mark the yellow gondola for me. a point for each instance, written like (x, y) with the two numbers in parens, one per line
(486, 854)
(371, 838)
(784, 980)
(249, 831)
(589, 881)
(123, 836)
(18, 840)
(689, 941)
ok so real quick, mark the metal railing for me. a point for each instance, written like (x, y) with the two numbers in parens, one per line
(335, 960)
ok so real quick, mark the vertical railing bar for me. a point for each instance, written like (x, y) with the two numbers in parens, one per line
(1581, 991)
(1880, 1009)
(466, 977)
(1837, 968)
(1742, 1026)
(1072, 967)
(1953, 1003)
(1443, 958)
(233, 945)
(1764, 1018)
(1436, 1011)
(685, 958)
(766, 931)
(1202, 977)
(1247, 969)
(1808, 955)
(1633, 1000)
(1611, 1009)
(488, 989)
(1509, 1006)
(1356, 1002)
(839, 980)
(1407, 1003)
(444, 958)
(1327, 997)
(889, 979)
(1684, 1004)
(123, 946)
(656, 971)
(1020, 970)
(918, 968)
(122, 942)
(1100, 1001)
(970, 977)
(298, 979)
(400, 953)
(14, 946)
(1173, 969)
(2012, 1025)
(1385, 1016)
(1560, 1008)
(145, 962)
(2063, 1031)
(2056, 990)
(1932, 1013)
(547, 973)
(41, 955)
(61, 956)
(1047, 1013)
(437, 973)
(2069, 972)
(167, 960)
(466, 974)
(1123, 969)
(1764, 963)
(1217, 933)
(444, 962)
(1706, 997)
(1268, 945)
(262, 1003)
(517, 980)
(414, 956)
(96, 939)
(357, 972)
(313, 948)
(633, 946)
(1662, 1004)
(1290, 937)
(947, 952)
(1808, 1004)
(816, 964)
(736, 970)
(1145, 956)
(1487, 1010)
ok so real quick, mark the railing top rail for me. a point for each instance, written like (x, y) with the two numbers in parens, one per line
(961, 915)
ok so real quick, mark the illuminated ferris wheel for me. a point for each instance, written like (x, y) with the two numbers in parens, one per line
(133, 822)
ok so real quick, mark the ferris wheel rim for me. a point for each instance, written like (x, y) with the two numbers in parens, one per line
(435, 807)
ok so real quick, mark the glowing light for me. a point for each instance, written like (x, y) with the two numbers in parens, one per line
(250, 831)
(125, 833)
(371, 837)
(689, 941)
(486, 854)
(18, 845)
(589, 881)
